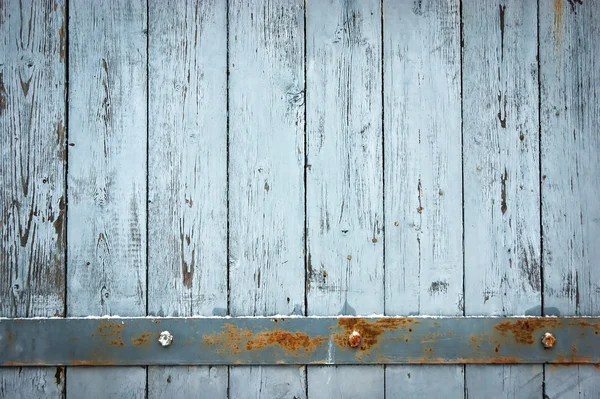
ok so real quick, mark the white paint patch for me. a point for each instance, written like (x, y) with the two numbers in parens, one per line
(330, 352)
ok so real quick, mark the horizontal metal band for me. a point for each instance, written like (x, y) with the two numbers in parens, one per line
(298, 340)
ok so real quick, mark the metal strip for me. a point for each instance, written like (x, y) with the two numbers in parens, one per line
(297, 340)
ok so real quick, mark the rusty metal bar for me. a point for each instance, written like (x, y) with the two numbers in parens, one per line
(298, 340)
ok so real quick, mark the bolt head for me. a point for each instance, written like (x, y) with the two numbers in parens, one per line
(354, 339)
(165, 338)
(548, 340)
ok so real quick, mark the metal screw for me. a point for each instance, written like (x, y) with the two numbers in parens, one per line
(548, 340)
(165, 338)
(354, 339)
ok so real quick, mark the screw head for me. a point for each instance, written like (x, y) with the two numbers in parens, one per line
(548, 340)
(165, 338)
(354, 339)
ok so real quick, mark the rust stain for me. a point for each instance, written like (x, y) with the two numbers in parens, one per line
(573, 359)
(581, 323)
(94, 362)
(291, 341)
(526, 331)
(232, 339)
(142, 339)
(369, 330)
(111, 331)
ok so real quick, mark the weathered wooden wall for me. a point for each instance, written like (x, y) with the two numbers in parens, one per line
(333, 157)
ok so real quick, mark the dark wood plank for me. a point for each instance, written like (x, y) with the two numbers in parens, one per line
(32, 177)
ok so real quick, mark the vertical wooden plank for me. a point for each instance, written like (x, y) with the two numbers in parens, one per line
(506, 382)
(344, 176)
(570, 144)
(32, 177)
(343, 382)
(266, 177)
(187, 172)
(425, 381)
(107, 176)
(187, 382)
(423, 175)
(574, 381)
(501, 177)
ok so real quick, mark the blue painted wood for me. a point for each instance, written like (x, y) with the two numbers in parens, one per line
(570, 144)
(32, 177)
(501, 178)
(423, 202)
(107, 172)
(106, 187)
(344, 177)
(266, 177)
(187, 177)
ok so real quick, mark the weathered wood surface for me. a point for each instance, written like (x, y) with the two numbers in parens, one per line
(506, 382)
(570, 148)
(106, 217)
(187, 177)
(501, 178)
(32, 177)
(345, 382)
(227, 167)
(266, 176)
(430, 381)
(423, 171)
(344, 177)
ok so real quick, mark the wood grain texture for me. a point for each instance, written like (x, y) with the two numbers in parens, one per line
(187, 172)
(344, 182)
(570, 148)
(107, 177)
(417, 382)
(32, 177)
(266, 175)
(501, 177)
(285, 382)
(504, 382)
(344, 171)
(106, 382)
(573, 382)
(423, 176)
(187, 382)
(345, 382)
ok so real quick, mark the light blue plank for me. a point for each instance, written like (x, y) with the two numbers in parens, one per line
(107, 178)
(570, 84)
(423, 173)
(32, 177)
(501, 178)
(344, 179)
(266, 176)
(187, 236)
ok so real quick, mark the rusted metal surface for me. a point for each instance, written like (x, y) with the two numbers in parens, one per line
(298, 340)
